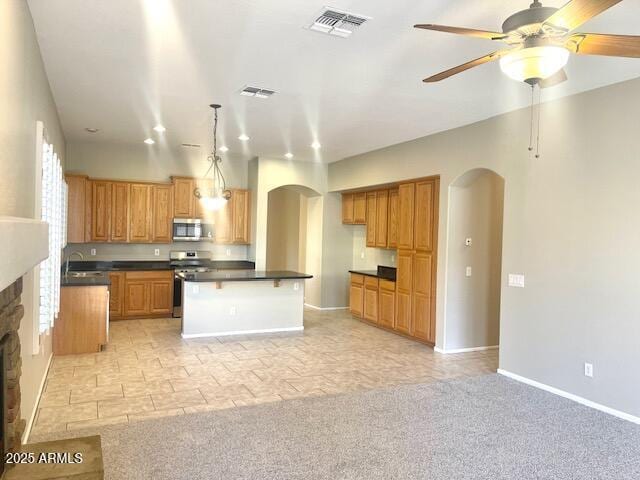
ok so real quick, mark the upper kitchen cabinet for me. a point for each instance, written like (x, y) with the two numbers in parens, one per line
(184, 201)
(424, 214)
(241, 209)
(204, 186)
(406, 202)
(382, 218)
(120, 212)
(100, 211)
(162, 213)
(354, 208)
(141, 215)
(371, 218)
(77, 208)
(392, 227)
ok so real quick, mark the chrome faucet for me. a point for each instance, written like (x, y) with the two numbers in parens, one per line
(66, 268)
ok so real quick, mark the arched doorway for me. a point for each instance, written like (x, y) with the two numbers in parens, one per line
(294, 236)
(474, 261)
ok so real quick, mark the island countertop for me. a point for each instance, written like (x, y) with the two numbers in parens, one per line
(243, 276)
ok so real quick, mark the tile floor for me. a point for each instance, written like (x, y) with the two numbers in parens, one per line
(149, 371)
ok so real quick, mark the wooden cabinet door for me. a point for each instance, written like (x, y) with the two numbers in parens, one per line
(392, 222)
(382, 213)
(406, 194)
(120, 212)
(424, 215)
(347, 208)
(404, 288)
(370, 305)
(76, 208)
(136, 298)
(360, 208)
(162, 213)
(116, 294)
(100, 211)
(423, 327)
(241, 206)
(371, 219)
(183, 197)
(224, 223)
(387, 307)
(161, 292)
(356, 299)
(140, 213)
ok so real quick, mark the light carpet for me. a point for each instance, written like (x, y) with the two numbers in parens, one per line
(488, 427)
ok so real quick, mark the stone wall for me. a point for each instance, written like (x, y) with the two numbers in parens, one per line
(11, 312)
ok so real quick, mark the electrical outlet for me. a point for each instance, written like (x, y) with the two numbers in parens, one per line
(588, 370)
(468, 271)
(393, 258)
(296, 286)
(93, 252)
(195, 288)
(156, 252)
(232, 311)
(362, 254)
(228, 252)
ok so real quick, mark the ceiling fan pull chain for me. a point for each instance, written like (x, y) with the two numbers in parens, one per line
(531, 122)
(538, 134)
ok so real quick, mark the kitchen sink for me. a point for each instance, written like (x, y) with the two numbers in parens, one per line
(84, 274)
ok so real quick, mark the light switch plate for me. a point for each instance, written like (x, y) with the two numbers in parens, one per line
(468, 272)
(516, 280)
(588, 370)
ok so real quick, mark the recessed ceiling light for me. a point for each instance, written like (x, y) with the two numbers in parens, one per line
(159, 128)
(288, 155)
(224, 149)
(92, 130)
(243, 137)
(316, 145)
(149, 141)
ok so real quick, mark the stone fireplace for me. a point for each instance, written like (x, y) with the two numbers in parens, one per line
(11, 312)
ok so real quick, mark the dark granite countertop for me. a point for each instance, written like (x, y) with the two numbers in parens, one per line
(124, 265)
(243, 276)
(386, 273)
(92, 281)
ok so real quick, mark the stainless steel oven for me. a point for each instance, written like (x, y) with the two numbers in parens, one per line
(192, 230)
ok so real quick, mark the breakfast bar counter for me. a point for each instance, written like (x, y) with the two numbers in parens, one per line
(217, 303)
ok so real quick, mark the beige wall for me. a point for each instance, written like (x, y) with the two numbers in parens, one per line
(154, 163)
(473, 303)
(283, 230)
(26, 98)
(570, 226)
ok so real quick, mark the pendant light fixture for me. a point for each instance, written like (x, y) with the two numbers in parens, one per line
(215, 196)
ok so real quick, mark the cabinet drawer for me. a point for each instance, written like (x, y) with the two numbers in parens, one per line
(387, 285)
(357, 279)
(149, 275)
(371, 282)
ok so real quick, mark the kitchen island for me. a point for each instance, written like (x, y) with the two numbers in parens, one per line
(218, 303)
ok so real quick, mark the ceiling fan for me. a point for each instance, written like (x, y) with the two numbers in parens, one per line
(541, 42)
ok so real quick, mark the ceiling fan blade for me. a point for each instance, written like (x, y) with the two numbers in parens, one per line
(602, 44)
(466, 66)
(553, 80)
(470, 32)
(575, 13)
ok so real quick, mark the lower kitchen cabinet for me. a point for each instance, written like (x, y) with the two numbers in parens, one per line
(356, 295)
(386, 303)
(371, 299)
(143, 294)
(82, 324)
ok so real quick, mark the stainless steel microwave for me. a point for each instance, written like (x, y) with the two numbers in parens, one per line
(192, 230)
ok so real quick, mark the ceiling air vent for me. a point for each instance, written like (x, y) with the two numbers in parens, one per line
(256, 92)
(190, 145)
(337, 22)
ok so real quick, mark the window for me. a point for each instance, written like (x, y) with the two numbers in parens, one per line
(53, 204)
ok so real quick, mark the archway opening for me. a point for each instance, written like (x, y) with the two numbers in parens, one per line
(474, 261)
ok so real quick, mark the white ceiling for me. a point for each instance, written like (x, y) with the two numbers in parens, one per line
(122, 65)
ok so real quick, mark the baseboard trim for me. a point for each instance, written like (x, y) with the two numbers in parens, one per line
(32, 418)
(464, 350)
(313, 307)
(241, 332)
(571, 396)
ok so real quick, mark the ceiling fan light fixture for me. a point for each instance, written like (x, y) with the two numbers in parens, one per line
(534, 63)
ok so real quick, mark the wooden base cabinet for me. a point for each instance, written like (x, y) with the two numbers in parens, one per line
(356, 295)
(141, 294)
(386, 303)
(371, 299)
